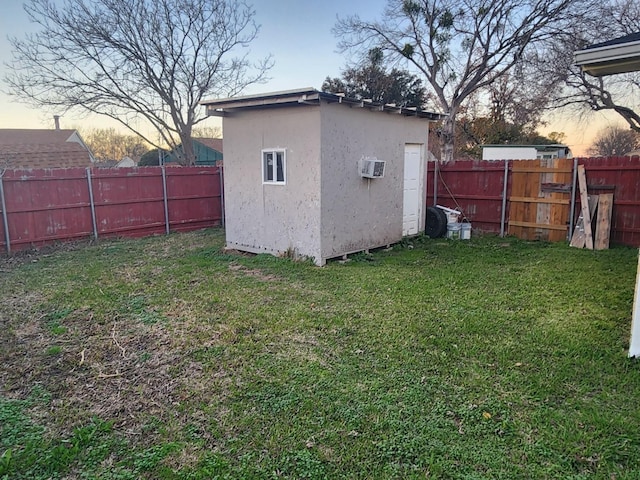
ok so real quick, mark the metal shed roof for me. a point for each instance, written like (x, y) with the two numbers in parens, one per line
(539, 147)
(306, 96)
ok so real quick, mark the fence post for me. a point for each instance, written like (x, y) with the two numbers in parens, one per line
(5, 219)
(93, 205)
(503, 213)
(220, 174)
(572, 210)
(435, 182)
(166, 200)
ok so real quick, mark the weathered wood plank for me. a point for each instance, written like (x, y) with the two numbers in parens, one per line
(603, 221)
(560, 211)
(556, 187)
(543, 210)
(586, 214)
(531, 210)
(558, 201)
(516, 210)
(545, 226)
(579, 238)
(539, 169)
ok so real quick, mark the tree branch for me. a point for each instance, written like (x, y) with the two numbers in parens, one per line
(149, 60)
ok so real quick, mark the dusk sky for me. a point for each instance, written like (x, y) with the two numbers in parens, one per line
(297, 34)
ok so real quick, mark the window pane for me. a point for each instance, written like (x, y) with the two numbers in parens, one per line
(268, 167)
(280, 166)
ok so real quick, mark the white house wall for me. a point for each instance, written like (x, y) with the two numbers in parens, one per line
(268, 218)
(360, 213)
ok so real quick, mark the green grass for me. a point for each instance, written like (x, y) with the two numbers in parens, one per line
(166, 358)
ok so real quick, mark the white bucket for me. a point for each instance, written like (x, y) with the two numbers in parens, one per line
(452, 217)
(453, 230)
(465, 231)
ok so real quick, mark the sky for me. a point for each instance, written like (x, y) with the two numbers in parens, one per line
(297, 33)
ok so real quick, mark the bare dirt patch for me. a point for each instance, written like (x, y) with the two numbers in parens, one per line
(258, 274)
(17, 258)
(122, 370)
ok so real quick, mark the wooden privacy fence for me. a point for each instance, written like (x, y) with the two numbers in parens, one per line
(43, 206)
(538, 199)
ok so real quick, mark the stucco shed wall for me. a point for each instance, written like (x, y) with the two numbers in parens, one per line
(264, 218)
(358, 213)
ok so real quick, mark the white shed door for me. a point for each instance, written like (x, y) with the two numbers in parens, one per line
(412, 199)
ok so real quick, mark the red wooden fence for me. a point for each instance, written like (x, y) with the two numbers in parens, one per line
(475, 187)
(620, 176)
(478, 189)
(42, 206)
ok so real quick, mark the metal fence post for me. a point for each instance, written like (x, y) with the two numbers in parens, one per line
(220, 174)
(166, 200)
(93, 206)
(5, 219)
(435, 182)
(503, 213)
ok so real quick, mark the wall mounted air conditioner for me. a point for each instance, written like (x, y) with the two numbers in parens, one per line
(371, 168)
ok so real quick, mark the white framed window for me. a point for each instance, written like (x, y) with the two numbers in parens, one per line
(274, 166)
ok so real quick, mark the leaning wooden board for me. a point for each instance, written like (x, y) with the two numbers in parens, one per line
(603, 221)
(586, 213)
(579, 237)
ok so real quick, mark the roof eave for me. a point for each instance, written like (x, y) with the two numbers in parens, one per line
(307, 96)
(609, 59)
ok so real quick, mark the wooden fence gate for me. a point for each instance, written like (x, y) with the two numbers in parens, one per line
(539, 205)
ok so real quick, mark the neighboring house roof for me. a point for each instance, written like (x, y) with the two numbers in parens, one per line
(126, 162)
(106, 164)
(213, 143)
(619, 55)
(524, 152)
(34, 148)
(634, 37)
(208, 151)
(306, 96)
(540, 148)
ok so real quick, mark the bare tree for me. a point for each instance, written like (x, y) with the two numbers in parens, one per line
(617, 93)
(508, 111)
(207, 132)
(149, 60)
(518, 96)
(615, 141)
(459, 46)
(109, 144)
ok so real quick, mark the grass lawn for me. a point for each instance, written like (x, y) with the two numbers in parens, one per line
(166, 358)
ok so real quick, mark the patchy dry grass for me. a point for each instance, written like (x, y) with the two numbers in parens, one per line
(169, 358)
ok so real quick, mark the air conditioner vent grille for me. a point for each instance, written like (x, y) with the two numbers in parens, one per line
(372, 168)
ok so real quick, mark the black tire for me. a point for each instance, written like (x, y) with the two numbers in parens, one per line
(436, 222)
